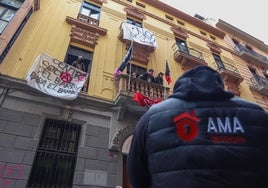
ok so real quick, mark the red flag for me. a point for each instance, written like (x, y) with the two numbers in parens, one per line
(167, 74)
(144, 100)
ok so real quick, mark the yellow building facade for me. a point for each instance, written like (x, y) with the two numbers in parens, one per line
(86, 139)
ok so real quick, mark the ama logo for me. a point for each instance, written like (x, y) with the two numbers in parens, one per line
(220, 129)
(186, 124)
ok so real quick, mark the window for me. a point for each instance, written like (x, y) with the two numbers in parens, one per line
(169, 18)
(203, 33)
(180, 23)
(14, 37)
(218, 61)
(212, 37)
(182, 46)
(134, 22)
(72, 55)
(140, 5)
(237, 46)
(8, 9)
(90, 10)
(135, 68)
(55, 159)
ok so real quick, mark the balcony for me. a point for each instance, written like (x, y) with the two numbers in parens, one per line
(188, 57)
(85, 30)
(259, 84)
(230, 76)
(126, 88)
(252, 56)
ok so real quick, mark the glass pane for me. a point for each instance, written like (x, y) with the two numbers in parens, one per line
(8, 15)
(3, 25)
(85, 11)
(1, 10)
(13, 3)
(95, 14)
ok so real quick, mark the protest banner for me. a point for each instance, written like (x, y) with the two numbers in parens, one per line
(56, 78)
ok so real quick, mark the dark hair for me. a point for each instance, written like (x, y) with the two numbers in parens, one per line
(151, 70)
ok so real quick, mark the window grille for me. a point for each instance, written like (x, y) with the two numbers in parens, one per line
(55, 159)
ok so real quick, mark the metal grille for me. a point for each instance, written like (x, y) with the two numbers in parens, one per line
(55, 158)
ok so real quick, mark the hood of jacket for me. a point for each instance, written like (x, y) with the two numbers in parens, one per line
(200, 83)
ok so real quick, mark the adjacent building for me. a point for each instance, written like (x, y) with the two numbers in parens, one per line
(49, 140)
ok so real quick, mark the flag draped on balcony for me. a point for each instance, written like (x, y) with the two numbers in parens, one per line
(144, 100)
(167, 74)
(118, 71)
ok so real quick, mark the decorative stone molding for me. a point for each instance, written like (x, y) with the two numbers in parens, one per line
(84, 32)
(134, 13)
(99, 2)
(232, 81)
(121, 135)
(179, 32)
(214, 47)
(36, 5)
(84, 37)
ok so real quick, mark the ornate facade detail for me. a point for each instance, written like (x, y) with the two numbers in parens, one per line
(85, 32)
(36, 5)
(231, 81)
(134, 13)
(179, 32)
(121, 135)
(214, 47)
(99, 2)
(84, 37)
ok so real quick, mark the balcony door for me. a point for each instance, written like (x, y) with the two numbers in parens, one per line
(182, 46)
(218, 62)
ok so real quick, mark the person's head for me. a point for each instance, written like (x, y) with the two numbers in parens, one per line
(134, 74)
(151, 71)
(160, 74)
(80, 58)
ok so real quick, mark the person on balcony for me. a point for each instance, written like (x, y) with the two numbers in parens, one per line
(148, 76)
(79, 64)
(159, 79)
(201, 136)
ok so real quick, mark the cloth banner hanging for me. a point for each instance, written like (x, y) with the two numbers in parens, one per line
(56, 78)
(138, 34)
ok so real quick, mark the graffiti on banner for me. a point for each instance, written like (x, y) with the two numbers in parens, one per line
(56, 78)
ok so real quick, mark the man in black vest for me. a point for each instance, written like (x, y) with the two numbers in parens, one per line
(200, 137)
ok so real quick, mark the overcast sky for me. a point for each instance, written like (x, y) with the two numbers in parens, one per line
(246, 15)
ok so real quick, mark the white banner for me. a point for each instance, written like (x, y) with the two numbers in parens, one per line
(56, 78)
(138, 34)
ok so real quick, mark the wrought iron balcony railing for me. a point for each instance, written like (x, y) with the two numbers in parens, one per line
(230, 76)
(259, 84)
(188, 57)
(227, 67)
(251, 55)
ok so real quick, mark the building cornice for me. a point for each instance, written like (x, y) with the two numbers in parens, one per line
(228, 28)
(183, 16)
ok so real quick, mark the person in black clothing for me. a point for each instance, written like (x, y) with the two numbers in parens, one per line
(148, 76)
(202, 136)
(159, 79)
